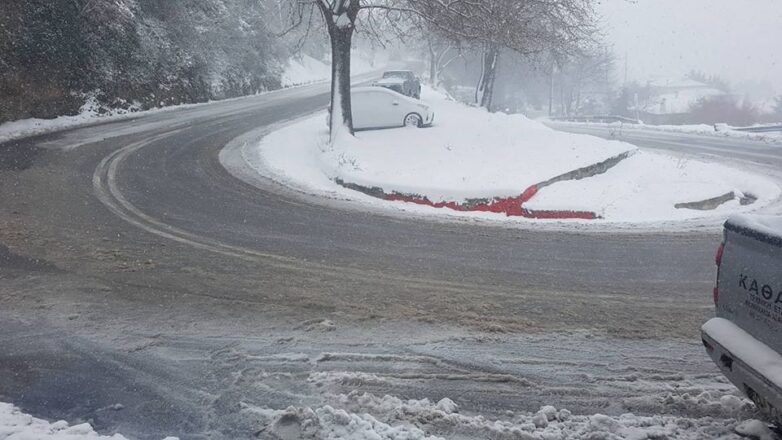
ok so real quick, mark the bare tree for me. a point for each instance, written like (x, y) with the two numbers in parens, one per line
(524, 26)
(340, 18)
(584, 73)
(441, 54)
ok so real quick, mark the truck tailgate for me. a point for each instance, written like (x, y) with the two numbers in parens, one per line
(750, 281)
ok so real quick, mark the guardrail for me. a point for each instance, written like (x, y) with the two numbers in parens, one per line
(760, 129)
(602, 119)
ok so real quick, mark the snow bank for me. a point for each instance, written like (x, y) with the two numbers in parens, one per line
(16, 425)
(89, 112)
(365, 416)
(646, 187)
(470, 154)
(695, 129)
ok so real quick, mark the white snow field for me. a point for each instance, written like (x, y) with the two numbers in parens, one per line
(16, 425)
(471, 154)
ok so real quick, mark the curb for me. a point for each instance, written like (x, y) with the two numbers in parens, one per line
(510, 206)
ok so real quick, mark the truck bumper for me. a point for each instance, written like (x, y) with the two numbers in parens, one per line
(751, 365)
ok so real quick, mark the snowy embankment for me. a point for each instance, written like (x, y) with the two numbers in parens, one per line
(16, 425)
(299, 71)
(477, 164)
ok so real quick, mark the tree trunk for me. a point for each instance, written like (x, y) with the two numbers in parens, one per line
(485, 93)
(341, 111)
(551, 94)
(433, 59)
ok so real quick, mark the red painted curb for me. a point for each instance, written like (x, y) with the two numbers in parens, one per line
(510, 206)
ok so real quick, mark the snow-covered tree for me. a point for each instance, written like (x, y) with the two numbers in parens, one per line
(148, 52)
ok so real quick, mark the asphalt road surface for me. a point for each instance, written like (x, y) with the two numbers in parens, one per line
(145, 289)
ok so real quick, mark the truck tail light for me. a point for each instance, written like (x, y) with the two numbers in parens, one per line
(718, 261)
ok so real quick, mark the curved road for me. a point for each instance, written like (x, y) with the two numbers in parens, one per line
(135, 270)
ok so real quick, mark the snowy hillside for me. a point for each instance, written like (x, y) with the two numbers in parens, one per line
(132, 53)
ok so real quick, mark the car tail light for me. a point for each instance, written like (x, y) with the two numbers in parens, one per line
(718, 262)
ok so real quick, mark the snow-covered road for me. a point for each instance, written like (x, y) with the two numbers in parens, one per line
(206, 307)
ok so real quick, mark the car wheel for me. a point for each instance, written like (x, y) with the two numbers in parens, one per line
(413, 120)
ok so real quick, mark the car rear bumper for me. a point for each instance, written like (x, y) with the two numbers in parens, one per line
(754, 367)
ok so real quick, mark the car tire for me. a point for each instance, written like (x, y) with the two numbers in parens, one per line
(413, 120)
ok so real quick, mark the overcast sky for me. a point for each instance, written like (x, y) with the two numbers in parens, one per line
(737, 39)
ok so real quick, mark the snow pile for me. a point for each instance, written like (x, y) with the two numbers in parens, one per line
(16, 425)
(365, 416)
(756, 429)
(470, 154)
(89, 112)
(646, 187)
(328, 423)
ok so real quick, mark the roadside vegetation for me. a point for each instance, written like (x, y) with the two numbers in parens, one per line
(133, 54)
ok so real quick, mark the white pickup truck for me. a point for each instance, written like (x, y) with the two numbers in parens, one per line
(745, 338)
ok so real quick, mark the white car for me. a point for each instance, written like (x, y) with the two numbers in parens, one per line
(377, 107)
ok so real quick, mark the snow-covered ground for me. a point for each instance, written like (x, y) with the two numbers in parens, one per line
(470, 154)
(363, 416)
(16, 425)
(305, 69)
(389, 418)
(646, 187)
